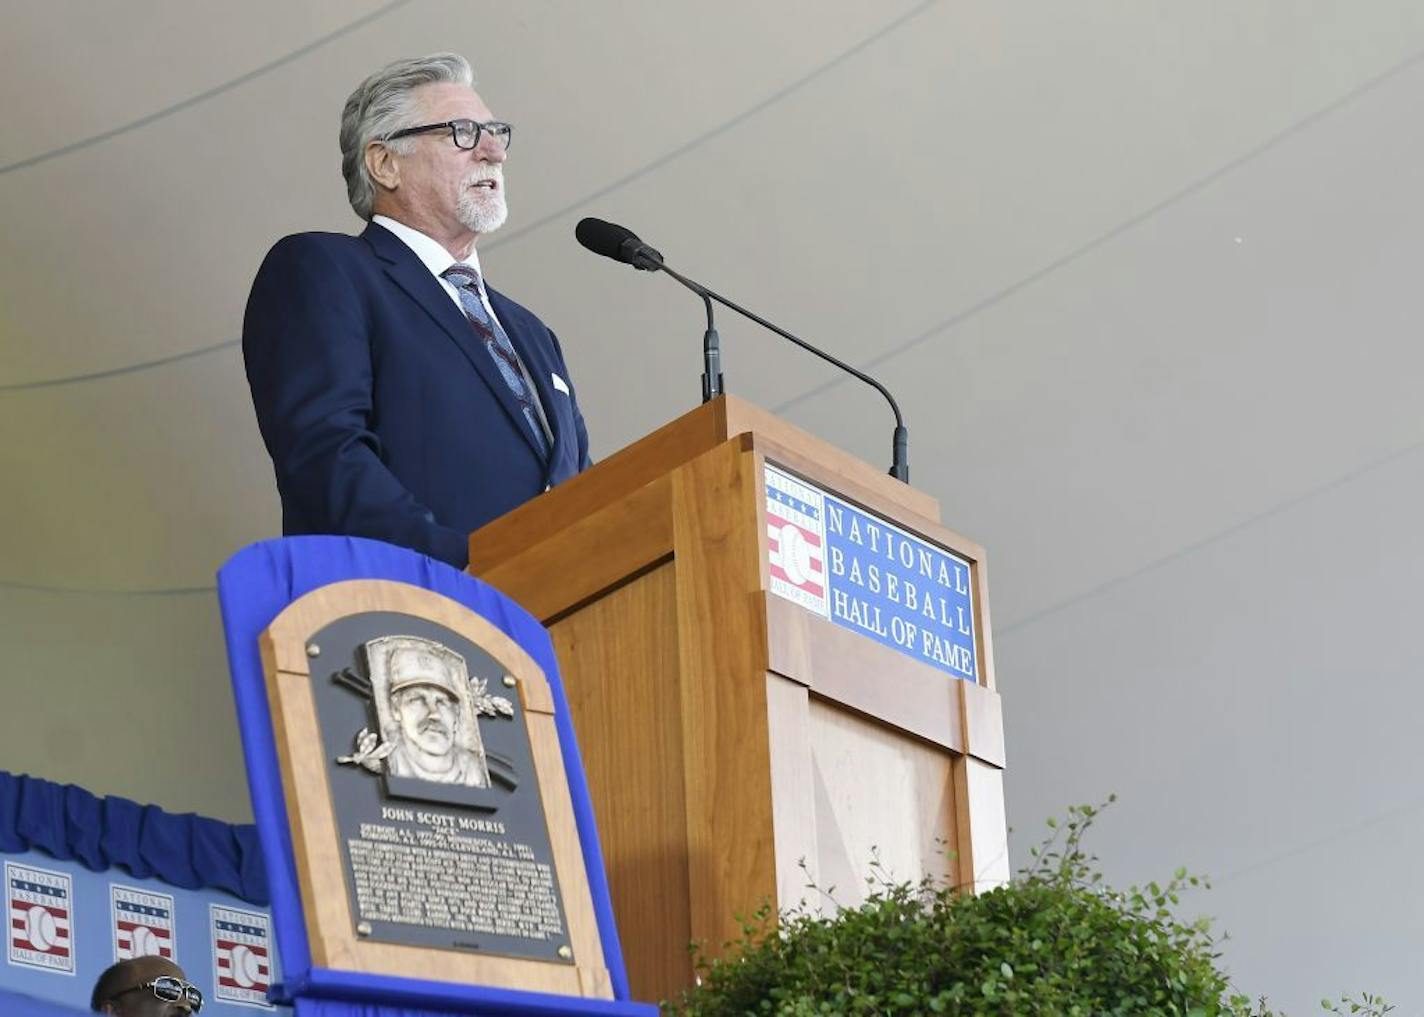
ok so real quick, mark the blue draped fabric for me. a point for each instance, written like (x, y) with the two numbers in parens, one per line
(70, 824)
(17, 1004)
(254, 587)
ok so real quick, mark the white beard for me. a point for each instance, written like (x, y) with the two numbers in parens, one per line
(480, 210)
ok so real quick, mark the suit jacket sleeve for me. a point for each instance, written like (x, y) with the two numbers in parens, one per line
(305, 340)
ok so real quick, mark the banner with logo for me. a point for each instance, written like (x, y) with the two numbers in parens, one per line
(67, 924)
(864, 573)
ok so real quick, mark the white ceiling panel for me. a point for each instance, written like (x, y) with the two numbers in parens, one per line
(89, 68)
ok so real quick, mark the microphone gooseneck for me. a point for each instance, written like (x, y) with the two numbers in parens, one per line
(622, 244)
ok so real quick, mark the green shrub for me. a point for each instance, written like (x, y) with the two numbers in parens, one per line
(1055, 941)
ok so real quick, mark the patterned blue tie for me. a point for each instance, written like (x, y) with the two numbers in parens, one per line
(467, 283)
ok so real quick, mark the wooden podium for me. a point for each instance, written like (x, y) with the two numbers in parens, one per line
(735, 742)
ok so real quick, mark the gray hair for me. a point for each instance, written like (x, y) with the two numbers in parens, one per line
(383, 104)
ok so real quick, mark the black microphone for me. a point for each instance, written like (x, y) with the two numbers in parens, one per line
(622, 244)
(617, 242)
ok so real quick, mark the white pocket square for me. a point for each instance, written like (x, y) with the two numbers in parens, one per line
(559, 383)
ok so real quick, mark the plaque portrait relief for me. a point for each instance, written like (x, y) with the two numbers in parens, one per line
(427, 708)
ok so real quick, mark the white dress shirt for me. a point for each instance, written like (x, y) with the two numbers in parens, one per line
(432, 255)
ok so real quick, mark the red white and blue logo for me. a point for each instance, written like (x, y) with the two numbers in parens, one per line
(796, 540)
(41, 912)
(142, 923)
(242, 956)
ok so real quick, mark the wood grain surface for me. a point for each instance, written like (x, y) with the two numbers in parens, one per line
(618, 658)
(722, 667)
(863, 675)
(981, 830)
(885, 804)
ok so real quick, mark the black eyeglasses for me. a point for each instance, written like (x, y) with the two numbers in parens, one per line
(465, 133)
(171, 990)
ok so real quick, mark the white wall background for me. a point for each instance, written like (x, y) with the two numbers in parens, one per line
(1144, 275)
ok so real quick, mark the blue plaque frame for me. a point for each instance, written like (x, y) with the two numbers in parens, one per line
(255, 586)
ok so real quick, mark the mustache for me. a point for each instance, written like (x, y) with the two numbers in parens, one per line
(485, 171)
(433, 724)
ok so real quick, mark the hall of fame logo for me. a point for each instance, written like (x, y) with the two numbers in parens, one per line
(41, 912)
(863, 572)
(142, 923)
(796, 540)
(242, 956)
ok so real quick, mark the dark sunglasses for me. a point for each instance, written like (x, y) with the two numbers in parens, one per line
(171, 990)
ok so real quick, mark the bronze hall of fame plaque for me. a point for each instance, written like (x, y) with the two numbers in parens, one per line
(436, 754)
(432, 780)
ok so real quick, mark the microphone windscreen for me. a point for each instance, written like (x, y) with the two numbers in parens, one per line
(606, 238)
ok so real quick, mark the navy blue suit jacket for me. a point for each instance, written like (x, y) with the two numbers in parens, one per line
(384, 413)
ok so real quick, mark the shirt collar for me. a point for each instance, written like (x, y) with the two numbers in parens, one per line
(430, 251)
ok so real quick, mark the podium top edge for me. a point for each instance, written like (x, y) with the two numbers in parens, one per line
(680, 441)
(741, 417)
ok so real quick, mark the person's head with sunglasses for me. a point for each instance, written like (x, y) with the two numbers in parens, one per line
(145, 987)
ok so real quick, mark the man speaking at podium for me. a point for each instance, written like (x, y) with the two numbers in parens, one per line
(399, 396)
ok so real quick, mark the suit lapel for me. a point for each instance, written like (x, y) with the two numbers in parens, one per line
(410, 274)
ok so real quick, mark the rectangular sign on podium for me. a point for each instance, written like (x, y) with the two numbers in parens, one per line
(865, 573)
